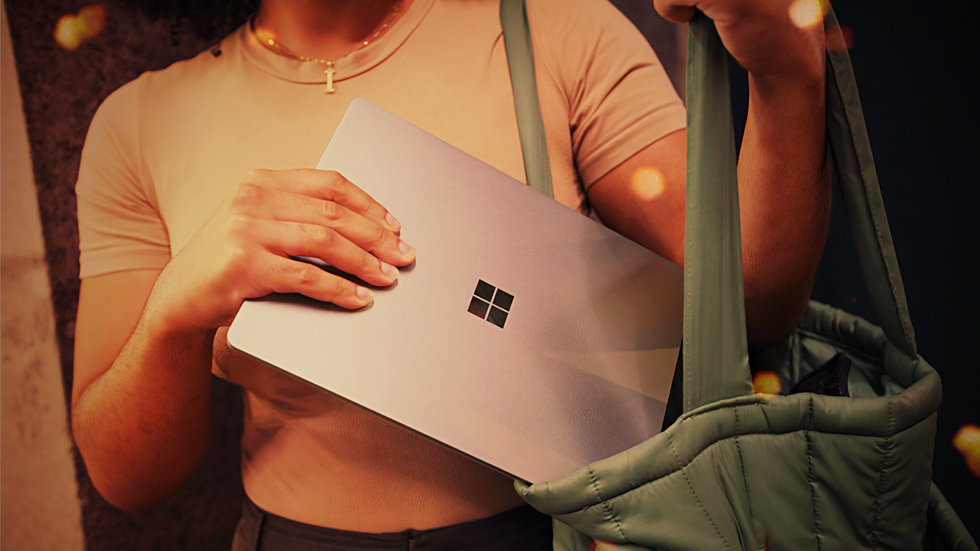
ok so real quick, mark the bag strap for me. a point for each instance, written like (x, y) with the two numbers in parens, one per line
(520, 59)
(715, 353)
(702, 326)
(855, 170)
(715, 362)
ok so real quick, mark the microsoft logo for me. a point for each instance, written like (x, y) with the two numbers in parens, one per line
(486, 294)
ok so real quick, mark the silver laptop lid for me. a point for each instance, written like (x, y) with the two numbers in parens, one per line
(525, 335)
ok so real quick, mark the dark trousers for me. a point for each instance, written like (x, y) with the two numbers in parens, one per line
(518, 529)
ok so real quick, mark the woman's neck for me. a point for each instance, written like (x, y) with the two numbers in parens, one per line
(324, 29)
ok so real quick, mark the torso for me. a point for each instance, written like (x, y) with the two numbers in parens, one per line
(314, 458)
(203, 124)
(311, 457)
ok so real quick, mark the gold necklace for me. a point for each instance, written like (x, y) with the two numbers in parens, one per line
(265, 37)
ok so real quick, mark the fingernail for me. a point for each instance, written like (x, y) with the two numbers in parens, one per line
(388, 269)
(405, 248)
(392, 221)
(364, 293)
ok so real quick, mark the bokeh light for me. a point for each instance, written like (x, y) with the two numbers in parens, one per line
(766, 382)
(72, 30)
(807, 14)
(647, 183)
(967, 442)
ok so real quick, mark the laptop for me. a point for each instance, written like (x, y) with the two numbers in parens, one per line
(525, 335)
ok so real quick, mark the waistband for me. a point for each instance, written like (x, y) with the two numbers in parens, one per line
(518, 529)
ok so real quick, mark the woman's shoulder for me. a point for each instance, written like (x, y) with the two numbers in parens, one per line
(574, 34)
(159, 88)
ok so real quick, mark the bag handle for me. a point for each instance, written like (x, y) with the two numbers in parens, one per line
(716, 354)
(708, 103)
(530, 126)
(715, 349)
(854, 167)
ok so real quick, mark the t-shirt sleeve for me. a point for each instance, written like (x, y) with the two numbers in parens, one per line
(119, 224)
(620, 99)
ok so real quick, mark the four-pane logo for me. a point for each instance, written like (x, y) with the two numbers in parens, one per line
(490, 303)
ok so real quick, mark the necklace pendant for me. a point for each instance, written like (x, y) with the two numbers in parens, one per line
(329, 72)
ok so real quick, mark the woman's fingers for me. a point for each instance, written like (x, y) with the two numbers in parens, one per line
(328, 199)
(363, 232)
(298, 239)
(326, 185)
(273, 216)
(258, 263)
(292, 276)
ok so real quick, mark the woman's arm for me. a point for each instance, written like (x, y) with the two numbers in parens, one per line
(141, 396)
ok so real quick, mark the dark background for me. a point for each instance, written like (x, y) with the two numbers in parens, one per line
(920, 110)
(921, 107)
(922, 114)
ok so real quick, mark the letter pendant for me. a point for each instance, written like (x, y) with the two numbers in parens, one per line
(329, 72)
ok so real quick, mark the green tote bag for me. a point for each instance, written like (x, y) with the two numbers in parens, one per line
(844, 464)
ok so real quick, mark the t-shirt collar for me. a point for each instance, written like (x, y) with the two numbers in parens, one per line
(308, 72)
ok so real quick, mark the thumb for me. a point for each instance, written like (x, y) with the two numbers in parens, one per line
(677, 11)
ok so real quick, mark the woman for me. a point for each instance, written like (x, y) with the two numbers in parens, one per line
(193, 195)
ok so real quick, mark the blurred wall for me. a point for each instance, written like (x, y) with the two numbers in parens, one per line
(38, 504)
(60, 91)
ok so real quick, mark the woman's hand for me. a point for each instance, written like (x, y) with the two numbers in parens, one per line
(766, 37)
(141, 393)
(244, 249)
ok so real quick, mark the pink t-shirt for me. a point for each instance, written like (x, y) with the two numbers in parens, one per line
(165, 149)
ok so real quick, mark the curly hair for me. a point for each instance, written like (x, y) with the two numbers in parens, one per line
(206, 19)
